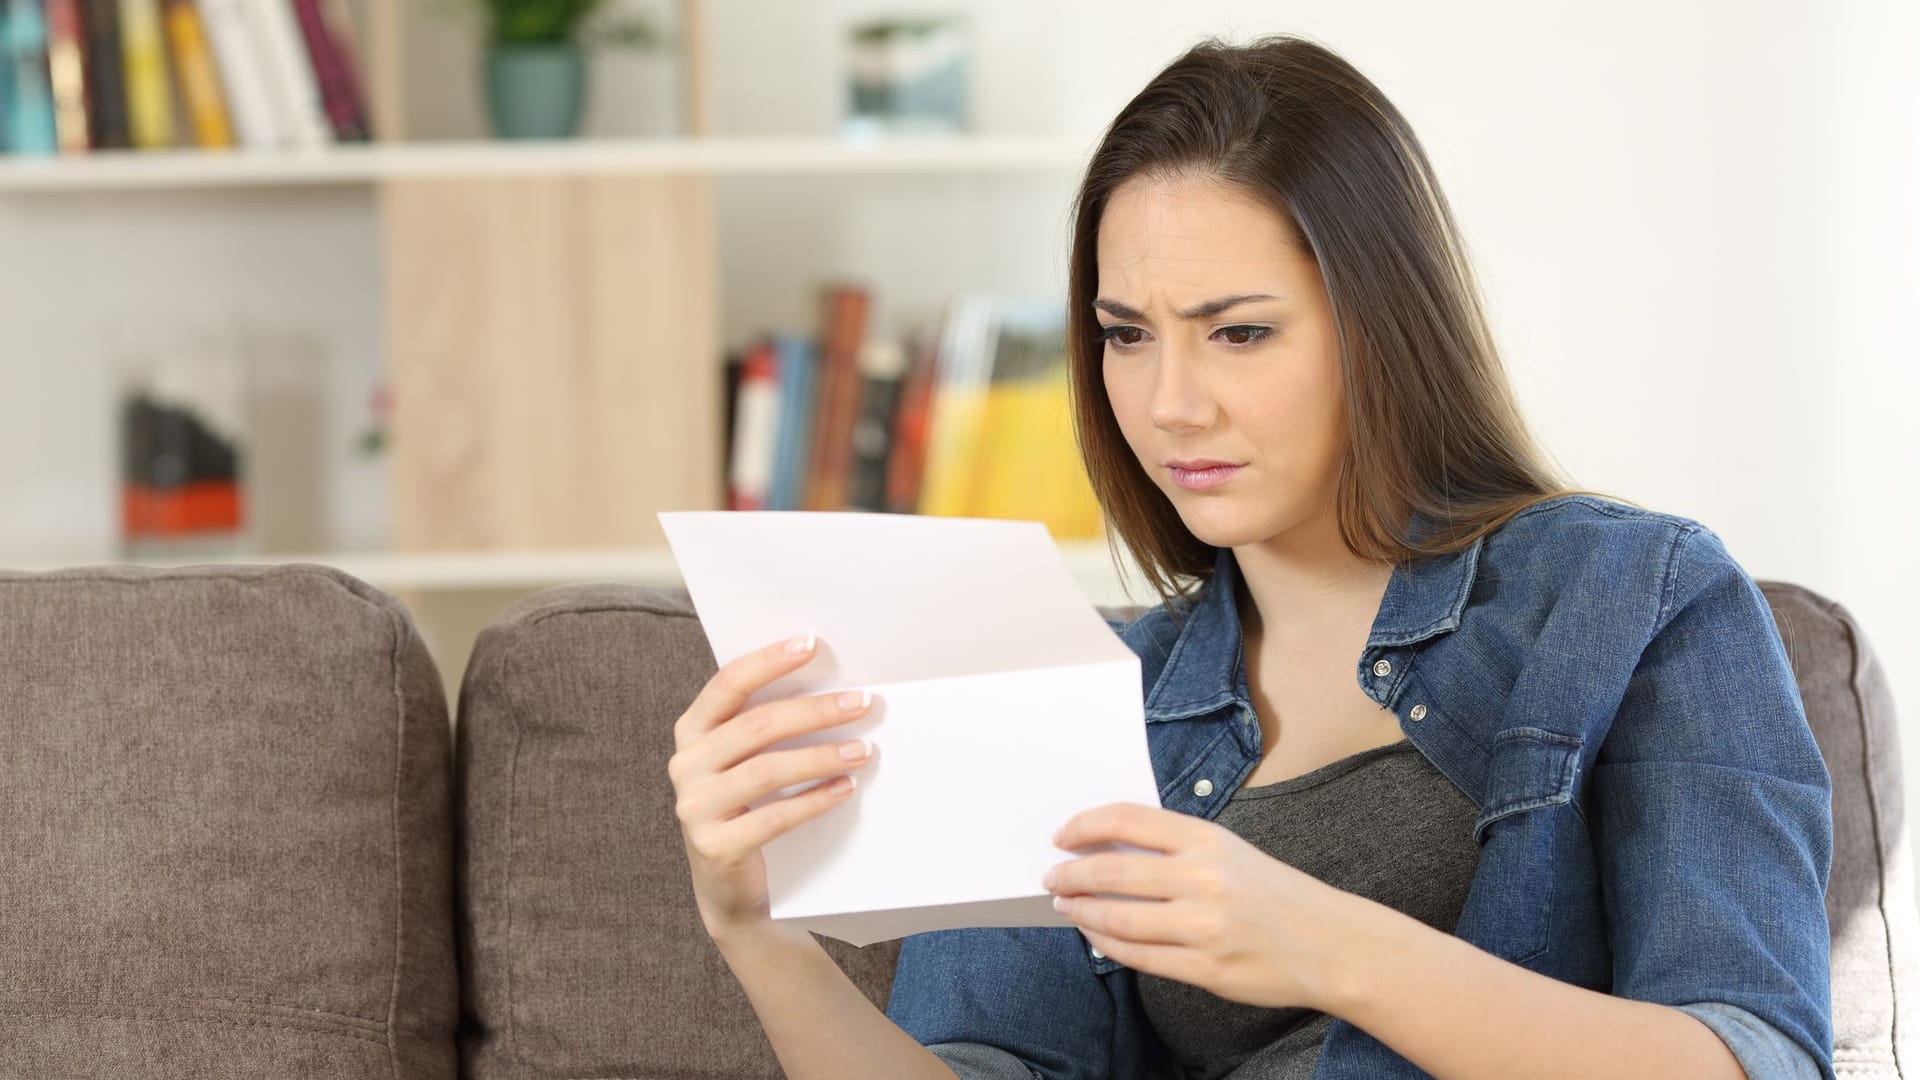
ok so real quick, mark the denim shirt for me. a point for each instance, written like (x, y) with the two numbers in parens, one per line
(1608, 686)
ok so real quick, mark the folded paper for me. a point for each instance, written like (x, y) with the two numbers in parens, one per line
(1004, 705)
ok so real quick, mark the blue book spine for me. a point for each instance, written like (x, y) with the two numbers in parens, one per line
(30, 127)
(796, 421)
(6, 80)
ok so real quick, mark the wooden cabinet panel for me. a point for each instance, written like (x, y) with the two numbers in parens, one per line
(553, 354)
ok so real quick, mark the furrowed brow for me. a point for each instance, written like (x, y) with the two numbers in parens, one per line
(1214, 307)
(1199, 311)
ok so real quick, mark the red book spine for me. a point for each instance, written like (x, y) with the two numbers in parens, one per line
(338, 92)
(909, 458)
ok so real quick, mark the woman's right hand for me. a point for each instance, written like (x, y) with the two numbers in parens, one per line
(721, 764)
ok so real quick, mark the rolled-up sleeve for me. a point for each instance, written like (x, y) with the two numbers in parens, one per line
(976, 1061)
(1712, 823)
(1760, 1048)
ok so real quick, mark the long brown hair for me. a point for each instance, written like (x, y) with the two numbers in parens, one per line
(1432, 425)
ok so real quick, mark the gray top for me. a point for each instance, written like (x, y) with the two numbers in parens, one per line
(1383, 823)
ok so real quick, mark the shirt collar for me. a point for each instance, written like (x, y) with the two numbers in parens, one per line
(1205, 669)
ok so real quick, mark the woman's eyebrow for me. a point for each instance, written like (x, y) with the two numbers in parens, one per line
(1199, 311)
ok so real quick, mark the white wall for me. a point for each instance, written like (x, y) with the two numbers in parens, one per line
(88, 283)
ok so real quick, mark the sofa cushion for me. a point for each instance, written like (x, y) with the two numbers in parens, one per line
(1871, 908)
(225, 823)
(583, 954)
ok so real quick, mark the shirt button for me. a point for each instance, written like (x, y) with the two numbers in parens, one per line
(1418, 714)
(1097, 954)
(1203, 789)
(1382, 669)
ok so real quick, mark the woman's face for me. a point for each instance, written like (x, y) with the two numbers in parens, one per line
(1220, 348)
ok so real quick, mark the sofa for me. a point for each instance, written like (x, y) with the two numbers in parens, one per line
(242, 836)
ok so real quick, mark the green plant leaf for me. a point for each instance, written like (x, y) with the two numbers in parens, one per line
(557, 22)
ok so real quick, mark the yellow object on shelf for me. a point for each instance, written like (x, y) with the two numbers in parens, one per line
(149, 99)
(200, 91)
(1029, 467)
(954, 442)
(1000, 442)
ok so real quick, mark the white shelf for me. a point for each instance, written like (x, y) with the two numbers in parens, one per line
(349, 165)
(522, 571)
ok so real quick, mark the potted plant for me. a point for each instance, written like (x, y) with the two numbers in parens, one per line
(535, 61)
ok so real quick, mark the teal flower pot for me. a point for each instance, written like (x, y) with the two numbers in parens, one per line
(535, 91)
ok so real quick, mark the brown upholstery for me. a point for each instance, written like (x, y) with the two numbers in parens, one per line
(224, 829)
(226, 825)
(584, 956)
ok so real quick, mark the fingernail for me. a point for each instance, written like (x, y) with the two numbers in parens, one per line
(800, 645)
(854, 750)
(1060, 904)
(852, 700)
(1052, 875)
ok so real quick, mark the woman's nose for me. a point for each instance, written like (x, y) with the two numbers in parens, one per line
(1181, 401)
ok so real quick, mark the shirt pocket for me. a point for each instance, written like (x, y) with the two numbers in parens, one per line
(1525, 830)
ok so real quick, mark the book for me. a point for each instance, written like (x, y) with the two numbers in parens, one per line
(338, 97)
(251, 100)
(959, 400)
(730, 397)
(106, 77)
(346, 43)
(30, 123)
(6, 78)
(1030, 467)
(149, 95)
(757, 417)
(882, 366)
(907, 458)
(67, 74)
(199, 81)
(843, 327)
(798, 358)
(294, 88)
(1000, 441)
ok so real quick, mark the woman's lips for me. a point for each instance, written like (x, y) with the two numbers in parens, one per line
(1200, 479)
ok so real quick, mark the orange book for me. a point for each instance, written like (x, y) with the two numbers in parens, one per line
(837, 405)
(199, 80)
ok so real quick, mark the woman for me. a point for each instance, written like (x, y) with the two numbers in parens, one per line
(1464, 773)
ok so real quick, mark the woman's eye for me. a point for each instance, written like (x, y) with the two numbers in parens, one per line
(1242, 335)
(1123, 336)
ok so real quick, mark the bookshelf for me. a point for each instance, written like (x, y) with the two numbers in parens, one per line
(551, 316)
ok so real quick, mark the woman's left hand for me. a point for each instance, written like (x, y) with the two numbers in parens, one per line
(1229, 918)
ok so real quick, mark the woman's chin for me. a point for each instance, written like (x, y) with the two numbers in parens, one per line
(1218, 523)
